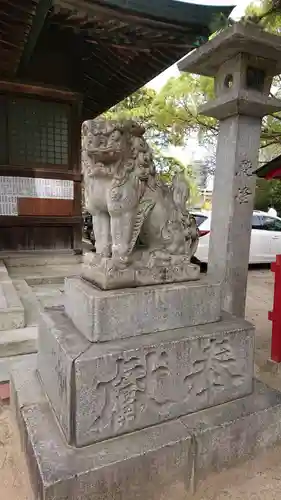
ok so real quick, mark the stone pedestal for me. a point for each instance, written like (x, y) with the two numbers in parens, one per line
(101, 272)
(118, 401)
(165, 461)
(243, 61)
(122, 413)
(101, 390)
(118, 314)
(140, 392)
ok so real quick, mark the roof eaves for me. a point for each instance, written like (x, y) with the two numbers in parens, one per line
(173, 10)
(268, 167)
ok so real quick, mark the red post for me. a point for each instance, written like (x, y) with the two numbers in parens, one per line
(275, 314)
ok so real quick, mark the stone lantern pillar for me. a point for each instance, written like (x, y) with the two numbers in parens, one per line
(243, 61)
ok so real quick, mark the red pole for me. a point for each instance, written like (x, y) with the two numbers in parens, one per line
(275, 314)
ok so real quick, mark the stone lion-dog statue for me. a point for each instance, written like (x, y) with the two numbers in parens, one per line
(136, 216)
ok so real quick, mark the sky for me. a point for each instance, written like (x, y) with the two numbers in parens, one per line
(193, 151)
(237, 13)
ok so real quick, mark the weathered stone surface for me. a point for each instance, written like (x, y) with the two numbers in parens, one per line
(238, 430)
(155, 463)
(58, 347)
(99, 272)
(116, 314)
(232, 210)
(116, 387)
(158, 377)
(11, 308)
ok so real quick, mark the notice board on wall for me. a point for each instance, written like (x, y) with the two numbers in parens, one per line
(17, 193)
(40, 171)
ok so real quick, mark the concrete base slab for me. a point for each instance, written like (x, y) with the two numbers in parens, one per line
(100, 390)
(230, 433)
(162, 462)
(6, 365)
(41, 275)
(4, 275)
(137, 311)
(38, 268)
(11, 308)
(29, 301)
(40, 258)
(18, 341)
(36, 298)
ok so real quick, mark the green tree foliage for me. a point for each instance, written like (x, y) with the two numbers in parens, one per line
(171, 115)
(268, 192)
(168, 166)
(267, 14)
(144, 107)
(176, 109)
(138, 106)
(276, 195)
(263, 195)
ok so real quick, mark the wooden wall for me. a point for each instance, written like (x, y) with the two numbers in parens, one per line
(40, 139)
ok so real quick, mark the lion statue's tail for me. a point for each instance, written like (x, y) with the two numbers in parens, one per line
(181, 191)
(181, 194)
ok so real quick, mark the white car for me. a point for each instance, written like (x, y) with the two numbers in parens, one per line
(265, 237)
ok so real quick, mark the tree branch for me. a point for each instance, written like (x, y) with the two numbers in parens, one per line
(268, 144)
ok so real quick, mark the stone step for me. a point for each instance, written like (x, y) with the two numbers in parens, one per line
(11, 308)
(4, 275)
(30, 302)
(41, 275)
(48, 279)
(15, 344)
(39, 258)
(18, 341)
(7, 364)
(49, 295)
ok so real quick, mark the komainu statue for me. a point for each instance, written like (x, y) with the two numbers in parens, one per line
(144, 233)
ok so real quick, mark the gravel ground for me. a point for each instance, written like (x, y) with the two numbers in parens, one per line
(14, 483)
